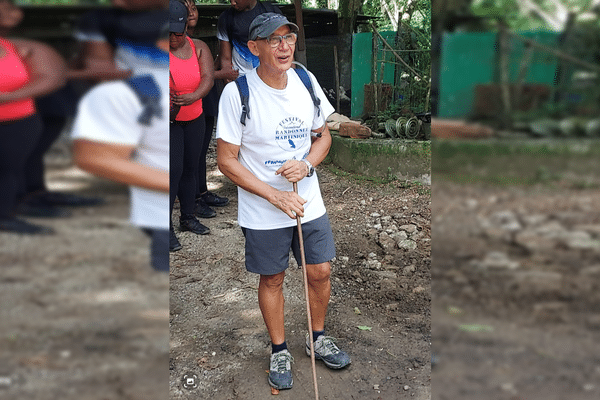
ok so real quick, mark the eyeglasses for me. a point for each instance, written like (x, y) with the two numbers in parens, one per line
(275, 40)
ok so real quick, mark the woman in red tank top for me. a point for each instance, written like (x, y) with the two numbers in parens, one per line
(27, 70)
(191, 70)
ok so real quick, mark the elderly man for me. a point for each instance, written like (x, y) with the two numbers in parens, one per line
(284, 136)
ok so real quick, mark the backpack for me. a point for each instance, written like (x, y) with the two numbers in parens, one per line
(148, 92)
(242, 84)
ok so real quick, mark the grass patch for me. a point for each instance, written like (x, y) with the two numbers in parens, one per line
(518, 163)
(391, 182)
(357, 177)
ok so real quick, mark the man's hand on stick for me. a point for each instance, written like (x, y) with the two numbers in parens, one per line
(293, 170)
(289, 202)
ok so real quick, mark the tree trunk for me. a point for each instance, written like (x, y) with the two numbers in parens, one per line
(347, 13)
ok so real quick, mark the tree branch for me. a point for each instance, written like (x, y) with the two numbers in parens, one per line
(531, 7)
(391, 16)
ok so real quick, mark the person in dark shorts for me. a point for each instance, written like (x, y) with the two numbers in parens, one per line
(284, 136)
(121, 133)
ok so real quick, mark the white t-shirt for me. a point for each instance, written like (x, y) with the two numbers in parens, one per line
(108, 113)
(278, 129)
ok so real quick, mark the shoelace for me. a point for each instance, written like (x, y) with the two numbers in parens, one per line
(329, 344)
(282, 360)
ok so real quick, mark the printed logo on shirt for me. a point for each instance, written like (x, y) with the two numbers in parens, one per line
(291, 133)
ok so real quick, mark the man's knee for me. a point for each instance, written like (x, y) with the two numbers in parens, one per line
(318, 273)
(272, 282)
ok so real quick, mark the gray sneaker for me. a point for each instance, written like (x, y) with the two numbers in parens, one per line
(280, 371)
(326, 350)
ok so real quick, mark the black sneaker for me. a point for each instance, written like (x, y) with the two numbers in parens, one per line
(212, 199)
(14, 225)
(38, 211)
(194, 226)
(61, 199)
(202, 210)
(174, 244)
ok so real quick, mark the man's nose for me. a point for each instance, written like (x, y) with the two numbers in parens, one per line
(283, 45)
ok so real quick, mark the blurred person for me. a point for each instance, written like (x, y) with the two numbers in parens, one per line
(120, 133)
(232, 31)
(111, 42)
(120, 38)
(191, 78)
(28, 69)
(277, 145)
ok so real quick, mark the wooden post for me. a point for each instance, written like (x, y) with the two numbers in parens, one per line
(374, 76)
(504, 66)
(301, 45)
(408, 67)
(337, 78)
(523, 68)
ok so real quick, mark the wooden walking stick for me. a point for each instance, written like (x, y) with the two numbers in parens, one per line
(305, 275)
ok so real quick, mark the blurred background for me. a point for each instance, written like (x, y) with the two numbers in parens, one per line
(83, 314)
(516, 221)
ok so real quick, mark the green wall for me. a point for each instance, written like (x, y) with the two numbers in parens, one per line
(469, 58)
(362, 63)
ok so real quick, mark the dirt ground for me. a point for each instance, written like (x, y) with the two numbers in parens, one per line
(380, 280)
(83, 315)
(516, 300)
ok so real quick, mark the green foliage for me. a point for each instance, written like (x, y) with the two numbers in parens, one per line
(216, 2)
(61, 2)
(517, 16)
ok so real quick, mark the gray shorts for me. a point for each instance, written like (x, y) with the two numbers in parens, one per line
(268, 251)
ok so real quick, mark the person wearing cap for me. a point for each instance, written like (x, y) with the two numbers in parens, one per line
(284, 138)
(191, 78)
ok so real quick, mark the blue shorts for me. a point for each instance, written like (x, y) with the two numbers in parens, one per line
(268, 251)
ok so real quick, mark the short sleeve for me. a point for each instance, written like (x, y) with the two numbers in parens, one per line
(229, 127)
(222, 26)
(108, 114)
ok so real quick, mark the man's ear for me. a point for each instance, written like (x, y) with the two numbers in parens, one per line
(253, 46)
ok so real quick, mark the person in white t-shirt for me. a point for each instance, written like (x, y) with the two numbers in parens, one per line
(121, 132)
(283, 138)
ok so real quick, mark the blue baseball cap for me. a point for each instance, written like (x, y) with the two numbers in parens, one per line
(265, 24)
(178, 15)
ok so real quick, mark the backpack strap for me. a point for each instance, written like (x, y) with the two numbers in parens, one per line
(242, 84)
(303, 75)
(148, 92)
